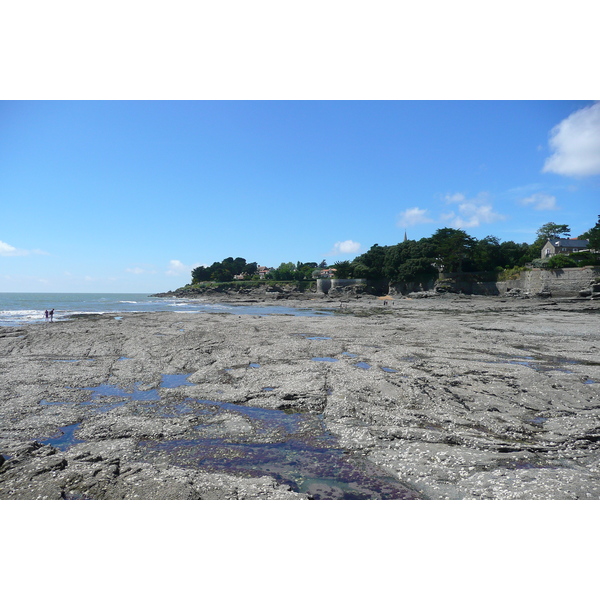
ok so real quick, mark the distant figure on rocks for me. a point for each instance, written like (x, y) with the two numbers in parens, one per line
(52, 316)
(47, 314)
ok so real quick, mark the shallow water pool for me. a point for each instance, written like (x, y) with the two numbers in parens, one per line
(294, 448)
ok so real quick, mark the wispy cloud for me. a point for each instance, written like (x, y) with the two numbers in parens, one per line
(413, 216)
(471, 212)
(177, 268)
(454, 198)
(8, 250)
(540, 201)
(347, 247)
(576, 144)
(140, 271)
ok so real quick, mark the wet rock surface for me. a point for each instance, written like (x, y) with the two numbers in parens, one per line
(431, 398)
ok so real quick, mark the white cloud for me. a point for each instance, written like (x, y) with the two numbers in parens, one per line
(530, 188)
(540, 202)
(177, 268)
(471, 213)
(140, 270)
(8, 250)
(413, 216)
(450, 199)
(576, 144)
(347, 247)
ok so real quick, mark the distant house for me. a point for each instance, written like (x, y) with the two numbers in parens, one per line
(563, 246)
(327, 273)
(263, 271)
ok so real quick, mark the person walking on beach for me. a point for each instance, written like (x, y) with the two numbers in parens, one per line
(47, 313)
(52, 316)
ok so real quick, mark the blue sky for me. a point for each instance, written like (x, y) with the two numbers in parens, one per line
(128, 196)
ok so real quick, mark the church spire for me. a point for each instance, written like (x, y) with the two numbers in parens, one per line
(405, 238)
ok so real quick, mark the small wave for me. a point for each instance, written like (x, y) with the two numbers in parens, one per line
(127, 302)
(181, 304)
(21, 317)
(21, 312)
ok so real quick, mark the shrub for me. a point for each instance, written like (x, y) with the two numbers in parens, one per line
(540, 263)
(560, 261)
(586, 259)
(508, 274)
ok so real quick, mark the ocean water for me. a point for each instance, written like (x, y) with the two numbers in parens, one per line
(21, 309)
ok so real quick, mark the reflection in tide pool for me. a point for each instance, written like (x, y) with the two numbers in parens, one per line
(174, 381)
(66, 440)
(296, 449)
(363, 365)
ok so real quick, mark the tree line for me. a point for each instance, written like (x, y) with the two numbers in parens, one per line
(230, 268)
(448, 250)
(454, 251)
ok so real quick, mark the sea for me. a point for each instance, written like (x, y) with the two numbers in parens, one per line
(17, 309)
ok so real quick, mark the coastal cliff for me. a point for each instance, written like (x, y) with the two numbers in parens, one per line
(240, 290)
(560, 283)
(250, 291)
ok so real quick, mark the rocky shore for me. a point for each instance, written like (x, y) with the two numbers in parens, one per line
(440, 397)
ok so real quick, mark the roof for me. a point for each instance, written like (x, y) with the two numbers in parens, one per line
(568, 243)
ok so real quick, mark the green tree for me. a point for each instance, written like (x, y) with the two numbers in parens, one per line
(306, 269)
(544, 233)
(416, 270)
(200, 274)
(370, 264)
(593, 236)
(513, 254)
(239, 265)
(287, 266)
(396, 256)
(343, 269)
(487, 254)
(552, 230)
(224, 270)
(453, 247)
(561, 261)
(251, 268)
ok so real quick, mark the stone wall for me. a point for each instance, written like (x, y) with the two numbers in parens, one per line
(324, 286)
(407, 287)
(560, 283)
(480, 283)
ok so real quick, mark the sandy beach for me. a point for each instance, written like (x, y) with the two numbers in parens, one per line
(453, 397)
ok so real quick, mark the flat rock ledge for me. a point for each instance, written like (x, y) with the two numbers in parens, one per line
(451, 397)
